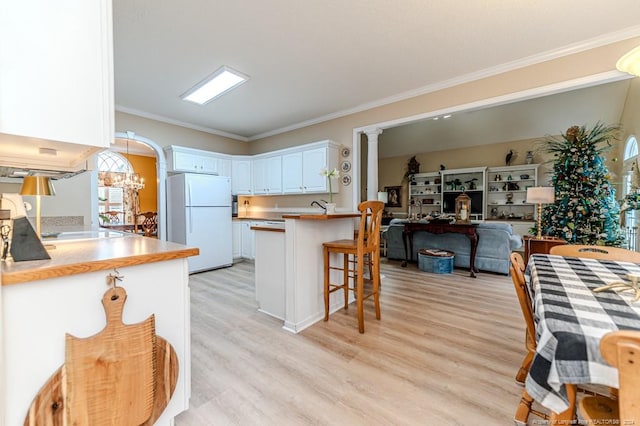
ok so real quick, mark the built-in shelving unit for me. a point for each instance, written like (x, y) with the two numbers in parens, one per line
(470, 181)
(507, 192)
(425, 190)
(497, 193)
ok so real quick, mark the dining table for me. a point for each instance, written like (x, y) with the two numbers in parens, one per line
(571, 319)
(126, 227)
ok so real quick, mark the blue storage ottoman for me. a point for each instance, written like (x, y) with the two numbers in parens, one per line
(436, 261)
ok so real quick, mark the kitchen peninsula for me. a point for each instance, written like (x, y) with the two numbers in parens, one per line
(302, 265)
(42, 300)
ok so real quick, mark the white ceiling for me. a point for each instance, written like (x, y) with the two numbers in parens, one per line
(533, 118)
(313, 60)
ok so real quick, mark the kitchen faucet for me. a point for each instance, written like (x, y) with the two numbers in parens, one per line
(316, 203)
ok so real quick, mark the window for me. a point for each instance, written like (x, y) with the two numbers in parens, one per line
(629, 176)
(111, 198)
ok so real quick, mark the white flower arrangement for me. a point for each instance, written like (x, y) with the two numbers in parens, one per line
(330, 174)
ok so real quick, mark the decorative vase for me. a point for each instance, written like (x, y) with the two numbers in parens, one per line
(331, 208)
(529, 158)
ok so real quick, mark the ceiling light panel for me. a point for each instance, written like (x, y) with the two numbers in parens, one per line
(220, 82)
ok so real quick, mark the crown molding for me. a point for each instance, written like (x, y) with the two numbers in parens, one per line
(582, 46)
(168, 120)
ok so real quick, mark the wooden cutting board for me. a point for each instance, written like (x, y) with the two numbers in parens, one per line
(47, 409)
(108, 378)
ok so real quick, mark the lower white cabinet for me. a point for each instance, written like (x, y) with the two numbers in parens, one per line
(236, 238)
(248, 239)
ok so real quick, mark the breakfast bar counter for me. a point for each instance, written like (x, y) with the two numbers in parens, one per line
(41, 301)
(302, 264)
(71, 257)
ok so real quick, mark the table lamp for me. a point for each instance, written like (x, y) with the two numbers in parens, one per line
(540, 195)
(38, 186)
(383, 196)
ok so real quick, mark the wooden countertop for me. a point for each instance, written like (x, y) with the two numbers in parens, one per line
(320, 216)
(71, 258)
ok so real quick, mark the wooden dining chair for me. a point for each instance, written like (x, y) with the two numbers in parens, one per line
(364, 251)
(147, 223)
(112, 217)
(596, 252)
(621, 349)
(526, 306)
(525, 406)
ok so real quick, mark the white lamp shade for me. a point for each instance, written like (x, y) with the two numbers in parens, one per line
(383, 196)
(540, 194)
(630, 62)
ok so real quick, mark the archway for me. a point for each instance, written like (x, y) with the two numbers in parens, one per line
(161, 172)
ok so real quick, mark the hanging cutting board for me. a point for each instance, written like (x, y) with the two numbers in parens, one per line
(109, 377)
(47, 409)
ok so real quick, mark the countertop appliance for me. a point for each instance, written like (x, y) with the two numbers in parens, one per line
(199, 215)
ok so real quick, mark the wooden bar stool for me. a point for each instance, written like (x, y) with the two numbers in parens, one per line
(365, 249)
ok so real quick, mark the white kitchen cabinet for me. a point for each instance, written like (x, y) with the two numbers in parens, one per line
(224, 166)
(189, 160)
(158, 288)
(292, 173)
(267, 175)
(248, 240)
(313, 161)
(301, 169)
(236, 239)
(241, 183)
(56, 80)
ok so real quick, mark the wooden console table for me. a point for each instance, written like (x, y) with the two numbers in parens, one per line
(441, 228)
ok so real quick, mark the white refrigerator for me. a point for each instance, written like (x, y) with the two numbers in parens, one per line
(199, 215)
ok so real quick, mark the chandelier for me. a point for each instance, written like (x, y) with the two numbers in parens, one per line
(128, 180)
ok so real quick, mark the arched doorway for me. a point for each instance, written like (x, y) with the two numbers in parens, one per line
(161, 174)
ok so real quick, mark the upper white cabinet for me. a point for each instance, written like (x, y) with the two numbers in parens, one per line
(287, 171)
(188, 160)
(56, 74)
(301, 168)
(224, 166)
(313, 161)
(267, 175)
(241, 183)
(292, 173)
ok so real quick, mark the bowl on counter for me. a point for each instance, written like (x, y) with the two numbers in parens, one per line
(524, 177)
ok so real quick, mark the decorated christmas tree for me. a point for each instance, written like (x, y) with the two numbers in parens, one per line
(585, 209)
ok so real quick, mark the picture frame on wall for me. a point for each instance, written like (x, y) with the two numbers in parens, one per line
(394, 195)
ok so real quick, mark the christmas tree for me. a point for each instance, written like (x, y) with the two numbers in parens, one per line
(585, 209)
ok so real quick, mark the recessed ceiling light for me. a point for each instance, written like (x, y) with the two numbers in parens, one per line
(216, 84)
(446, 116)
(436, 118)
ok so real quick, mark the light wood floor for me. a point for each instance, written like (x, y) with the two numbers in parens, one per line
(444, 353)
